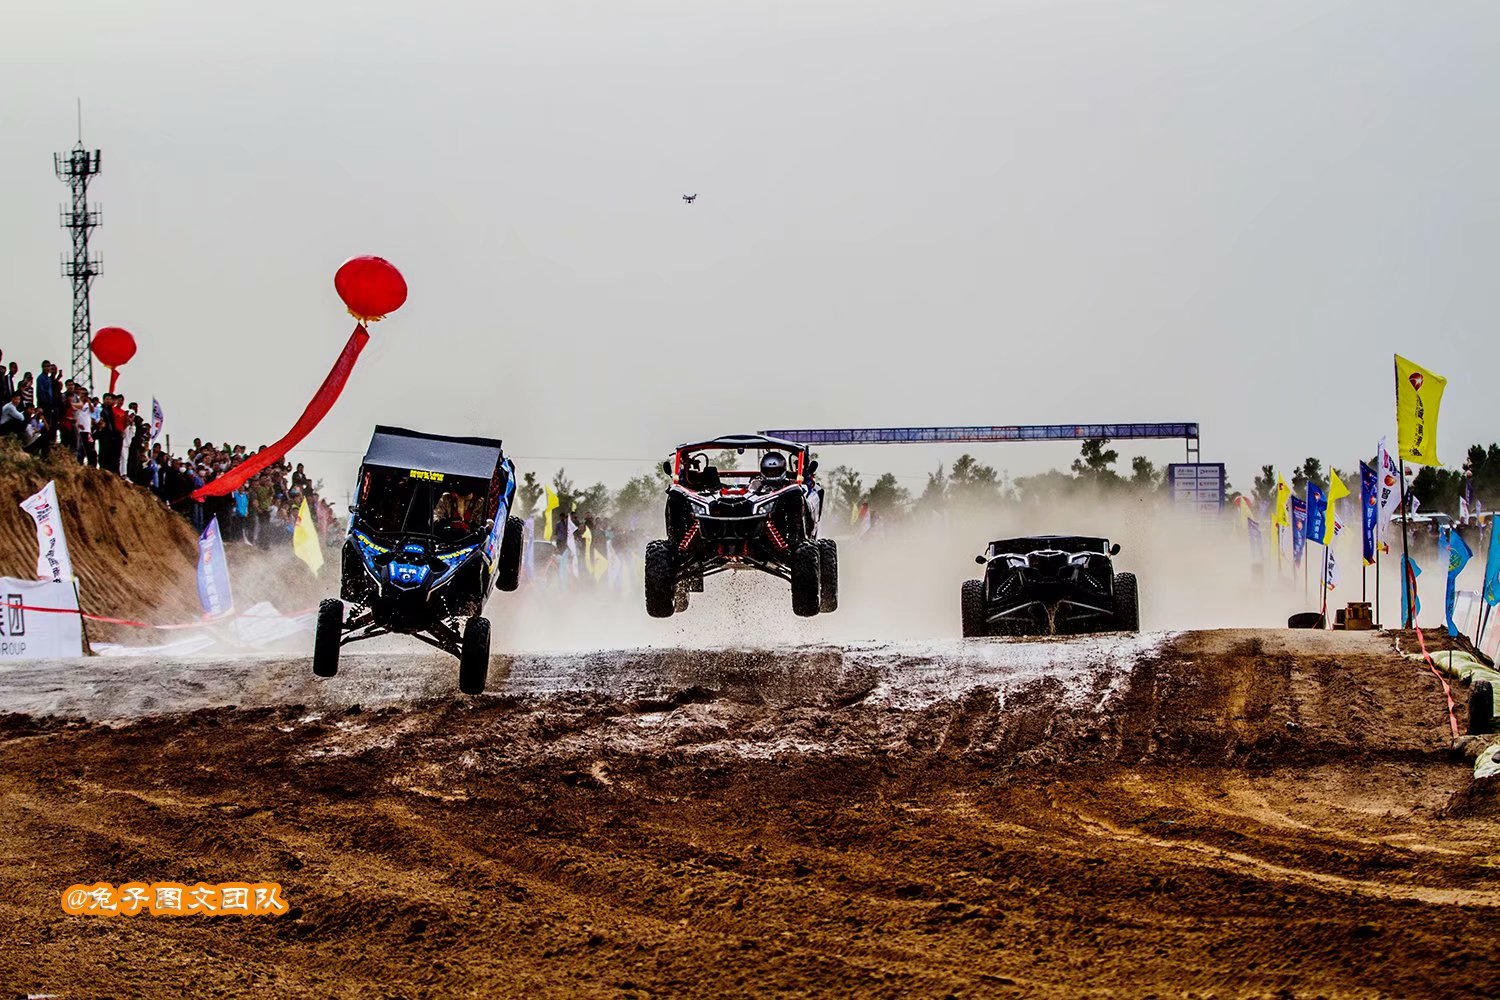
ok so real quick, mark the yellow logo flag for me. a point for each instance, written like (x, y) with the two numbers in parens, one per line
(547, 510)
(1283, 500)
(1336, 489)
(593, 561)
(305, 542)
(1419, 393)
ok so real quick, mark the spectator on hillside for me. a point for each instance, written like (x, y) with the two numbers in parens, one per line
(27, 391)
(44, 388)
(83, 424)
(7, 380)
(13, 416)
(37, 438)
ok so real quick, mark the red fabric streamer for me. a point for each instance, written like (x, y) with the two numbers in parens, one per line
(1447, 688)
(317, 409)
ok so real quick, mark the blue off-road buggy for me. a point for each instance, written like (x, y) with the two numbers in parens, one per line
(429, 530)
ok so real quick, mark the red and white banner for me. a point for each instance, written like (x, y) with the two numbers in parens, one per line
(39, 620)
(52, 562)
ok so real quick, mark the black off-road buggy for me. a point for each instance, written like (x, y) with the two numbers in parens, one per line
(1050, 584)
(429, 531)
(763, 517)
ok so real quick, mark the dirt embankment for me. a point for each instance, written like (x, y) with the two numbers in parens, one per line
(133, 557)
(1247, 814)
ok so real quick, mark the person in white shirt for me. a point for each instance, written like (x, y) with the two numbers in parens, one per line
(83, 425)
(12, 419)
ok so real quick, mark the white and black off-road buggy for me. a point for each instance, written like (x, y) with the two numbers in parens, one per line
(1050, 584)
(764, 517)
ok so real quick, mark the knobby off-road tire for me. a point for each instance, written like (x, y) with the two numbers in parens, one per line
(326, 639)
(661, 579)
(971, 604)
(474, 656)
(1127, 603)
(508, 572)
(828, 575)
(805, 573)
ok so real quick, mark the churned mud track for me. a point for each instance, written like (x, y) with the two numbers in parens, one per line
(1234, 814)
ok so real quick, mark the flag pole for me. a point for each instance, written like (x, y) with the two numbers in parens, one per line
(1408, 578)
(1409, 588)
(1324, 588)
(1306, 593)
(1377, 574)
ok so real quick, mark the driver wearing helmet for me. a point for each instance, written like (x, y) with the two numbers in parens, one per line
(772, 475)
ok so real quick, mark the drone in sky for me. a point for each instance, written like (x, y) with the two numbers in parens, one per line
(689, 197)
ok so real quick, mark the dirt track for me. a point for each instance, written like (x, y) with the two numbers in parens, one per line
(1226, 814)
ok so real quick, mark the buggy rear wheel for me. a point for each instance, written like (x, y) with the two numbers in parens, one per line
(508, 573)
(474, 656)
(661, 579)
(805, 572)
(828, 573)
(971, 606)
(330, 629)
(1127, 603)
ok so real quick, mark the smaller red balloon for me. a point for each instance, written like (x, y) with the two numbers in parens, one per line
(113, 346)
(370, 286)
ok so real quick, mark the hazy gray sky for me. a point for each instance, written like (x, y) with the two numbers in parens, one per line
(909, 213)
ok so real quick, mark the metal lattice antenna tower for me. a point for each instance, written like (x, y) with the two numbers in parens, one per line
(77, 167)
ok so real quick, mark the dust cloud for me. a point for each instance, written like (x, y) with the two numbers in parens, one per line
(901, 582)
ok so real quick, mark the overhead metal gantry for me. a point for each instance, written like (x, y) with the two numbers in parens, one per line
(980, 435)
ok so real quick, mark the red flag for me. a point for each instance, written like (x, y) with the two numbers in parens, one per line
(317, 409)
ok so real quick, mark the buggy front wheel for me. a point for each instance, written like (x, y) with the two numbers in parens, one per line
(1127, 603)
(474, 656)
(971, 605)
(330, 630)
(508, 572)
(805, 572)
(661, 580)
(828, 573)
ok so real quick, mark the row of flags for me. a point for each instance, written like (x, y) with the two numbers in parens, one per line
(1313, 518)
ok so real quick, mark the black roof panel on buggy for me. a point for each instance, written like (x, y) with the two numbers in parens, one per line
(399, 448)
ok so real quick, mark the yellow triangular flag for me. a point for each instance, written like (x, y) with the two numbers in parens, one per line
(1283, 498)
(1336, 489)
(305, 542)
(547, 510)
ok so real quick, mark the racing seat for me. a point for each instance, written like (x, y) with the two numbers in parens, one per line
(708, 479)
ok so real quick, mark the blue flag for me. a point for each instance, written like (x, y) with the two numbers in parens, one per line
(1409, 573)
(1459, 555)
(1492, 568)
(213, 573)
(1299, 530)
(1317, 512)
(1369, 507)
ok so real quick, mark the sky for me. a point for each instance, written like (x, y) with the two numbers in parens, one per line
(936, 213)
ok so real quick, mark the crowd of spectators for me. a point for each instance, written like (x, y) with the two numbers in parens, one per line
(45, 411)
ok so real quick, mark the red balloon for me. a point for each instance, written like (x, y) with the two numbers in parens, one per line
(113, 346)
(370, 286)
